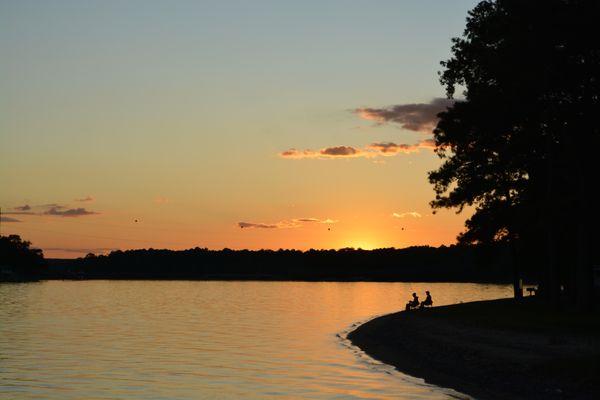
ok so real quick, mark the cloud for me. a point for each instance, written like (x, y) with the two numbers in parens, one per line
(316, 220)
(8, 219)
(69, 212)
(328, 152)
(86, 199)
(293, 223)
(95, 250)
(344, 151)
(418, 117)
(256, 225)
(51, 209)
(412, 214)
(51, 205)
(371, 151)
(21, 210)
(161, 200)
(391, 149)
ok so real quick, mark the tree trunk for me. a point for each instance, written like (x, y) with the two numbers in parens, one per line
(517, 282)
(550, 289)
(583, 270)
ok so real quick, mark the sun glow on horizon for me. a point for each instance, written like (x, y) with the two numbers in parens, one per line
(364, 244)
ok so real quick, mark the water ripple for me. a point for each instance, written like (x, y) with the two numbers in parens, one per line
(188, 340)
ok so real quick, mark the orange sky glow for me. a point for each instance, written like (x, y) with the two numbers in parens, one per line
(279, 125)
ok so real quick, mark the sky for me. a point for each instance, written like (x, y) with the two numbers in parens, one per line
(263, 124)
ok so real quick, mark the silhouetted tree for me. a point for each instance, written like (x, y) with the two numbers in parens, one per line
(520, 145)
(18, 261)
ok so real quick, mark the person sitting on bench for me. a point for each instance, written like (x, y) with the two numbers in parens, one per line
(414, 303)
(427, 302)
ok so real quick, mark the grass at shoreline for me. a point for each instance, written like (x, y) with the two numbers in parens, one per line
(526, 315)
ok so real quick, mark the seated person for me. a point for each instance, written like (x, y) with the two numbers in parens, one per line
(414, 303)
(428, 301)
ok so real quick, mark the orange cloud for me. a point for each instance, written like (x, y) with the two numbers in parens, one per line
(391, 149)
(161, 200)
(256, 225)
(316, 220)
(294, 223)
(373, 150)
(412, 214)
(328, 152)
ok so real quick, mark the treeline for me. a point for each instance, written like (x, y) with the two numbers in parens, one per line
(19, 262)
(423, 263)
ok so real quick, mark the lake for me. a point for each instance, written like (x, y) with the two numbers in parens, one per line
(197, 339)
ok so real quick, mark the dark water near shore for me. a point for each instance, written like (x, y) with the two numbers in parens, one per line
(190, 340)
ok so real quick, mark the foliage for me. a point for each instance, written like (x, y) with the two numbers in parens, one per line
(423, 263)
(18, 260)
(519, 145)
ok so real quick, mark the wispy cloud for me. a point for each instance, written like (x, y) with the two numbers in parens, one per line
(69, 212)
(8, 219)
(51, 205)
(418, 117)
(50, 209)
(412, 214)
(373, 150)
(95, 250)
(338, 152)
(316, 220)
(86, 199)
(20, 210)
(391, 149)
(161, 200)
(286, 224)
(256, 225)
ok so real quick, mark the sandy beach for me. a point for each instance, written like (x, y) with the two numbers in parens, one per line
(491, 350)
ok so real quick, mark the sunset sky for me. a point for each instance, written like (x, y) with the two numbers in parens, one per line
(240, 124)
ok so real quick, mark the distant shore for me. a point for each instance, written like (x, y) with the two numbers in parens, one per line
(492, 349)
(412, 264)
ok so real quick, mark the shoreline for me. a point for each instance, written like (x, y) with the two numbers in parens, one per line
(491, 349)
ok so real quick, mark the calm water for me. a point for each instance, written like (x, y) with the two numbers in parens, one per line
(190, 340)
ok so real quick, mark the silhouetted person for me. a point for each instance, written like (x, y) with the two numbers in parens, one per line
(428, 301)
(414, 303)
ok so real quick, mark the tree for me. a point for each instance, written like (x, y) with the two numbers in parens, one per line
(519, 146)
(18, 260)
